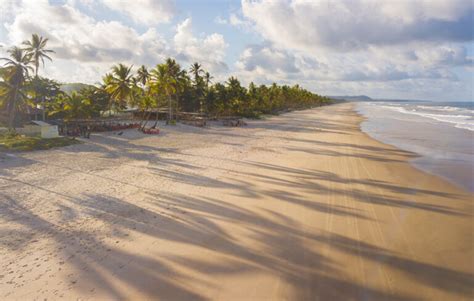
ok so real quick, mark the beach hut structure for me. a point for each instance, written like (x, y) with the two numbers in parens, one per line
(40, 128)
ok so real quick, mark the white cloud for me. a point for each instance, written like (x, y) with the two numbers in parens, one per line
(371, 65)
(86, 48)
(236, 21)
(445, 55)
(410, 11)
(220, 20)
(74, 35)
(374, 72)
(359, 24)
(149, 12)
(81, 43)
(269, 59)
(208, 50)
(359, 46)
(7, 9)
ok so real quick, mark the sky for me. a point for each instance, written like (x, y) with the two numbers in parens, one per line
(404, 49)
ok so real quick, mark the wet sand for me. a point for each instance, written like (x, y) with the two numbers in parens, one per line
(444, 149)
(302, 206)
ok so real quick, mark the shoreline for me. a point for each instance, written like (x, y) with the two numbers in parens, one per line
(299, 206)
(436, 161)
(411, 156)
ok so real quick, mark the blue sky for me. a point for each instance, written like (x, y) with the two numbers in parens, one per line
(407, 49)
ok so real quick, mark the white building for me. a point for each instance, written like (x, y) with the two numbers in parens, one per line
(40, 128)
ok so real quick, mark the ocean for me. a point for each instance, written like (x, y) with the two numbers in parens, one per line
(441, 133)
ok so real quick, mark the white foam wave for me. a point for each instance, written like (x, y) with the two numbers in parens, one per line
(461, 121)
(445, 108)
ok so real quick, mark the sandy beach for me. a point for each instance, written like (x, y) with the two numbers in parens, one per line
(301, 206)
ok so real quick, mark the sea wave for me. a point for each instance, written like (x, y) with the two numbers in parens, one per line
(458, 117)
(444, 108)
(441, 134)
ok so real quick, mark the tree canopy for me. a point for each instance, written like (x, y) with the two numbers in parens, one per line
(165, 86)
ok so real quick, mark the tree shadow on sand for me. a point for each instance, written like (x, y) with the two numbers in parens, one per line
(193, 221)
(273, 243)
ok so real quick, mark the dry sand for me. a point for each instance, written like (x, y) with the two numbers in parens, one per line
(302, 206)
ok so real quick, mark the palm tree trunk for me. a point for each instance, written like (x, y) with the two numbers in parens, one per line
(156, 121)
(110, 108)
(44, 108)
(12, 111)
(169, 109)
(141, 121)
(11, 120)
(146, 120)
(176, 106)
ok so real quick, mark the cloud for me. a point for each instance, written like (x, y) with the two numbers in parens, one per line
(234, 20)
(148, 12)
(361, 46)
(392, 73)
(446, 55)
(74, 35)
(269, 59)
(220, 20)
(7, 9)
(208, 50)
(358, 24)
(237, 21)
(357, 46)
(375, 72)
(83, 43)
(371, 65)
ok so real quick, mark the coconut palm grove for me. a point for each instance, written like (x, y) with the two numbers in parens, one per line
(167, 87)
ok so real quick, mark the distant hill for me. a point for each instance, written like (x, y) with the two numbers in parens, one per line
(356, 98)
(71, 87)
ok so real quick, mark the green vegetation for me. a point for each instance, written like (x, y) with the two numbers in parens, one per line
(12, 87)
(14, 142)
(36, 49)
(166, 86)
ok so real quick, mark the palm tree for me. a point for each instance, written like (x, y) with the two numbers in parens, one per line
(36, 48)
(72, 106)
(199, 85)
(146, 101)
(98, 98)
(237, 95)
(16, 71)
(162, 81)
(196, 71)
(205, 103)
(106, 81)
(42, 88)
(143, 75)
(119, 85)
(180, 79)
(170, 79)
(207, 79)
